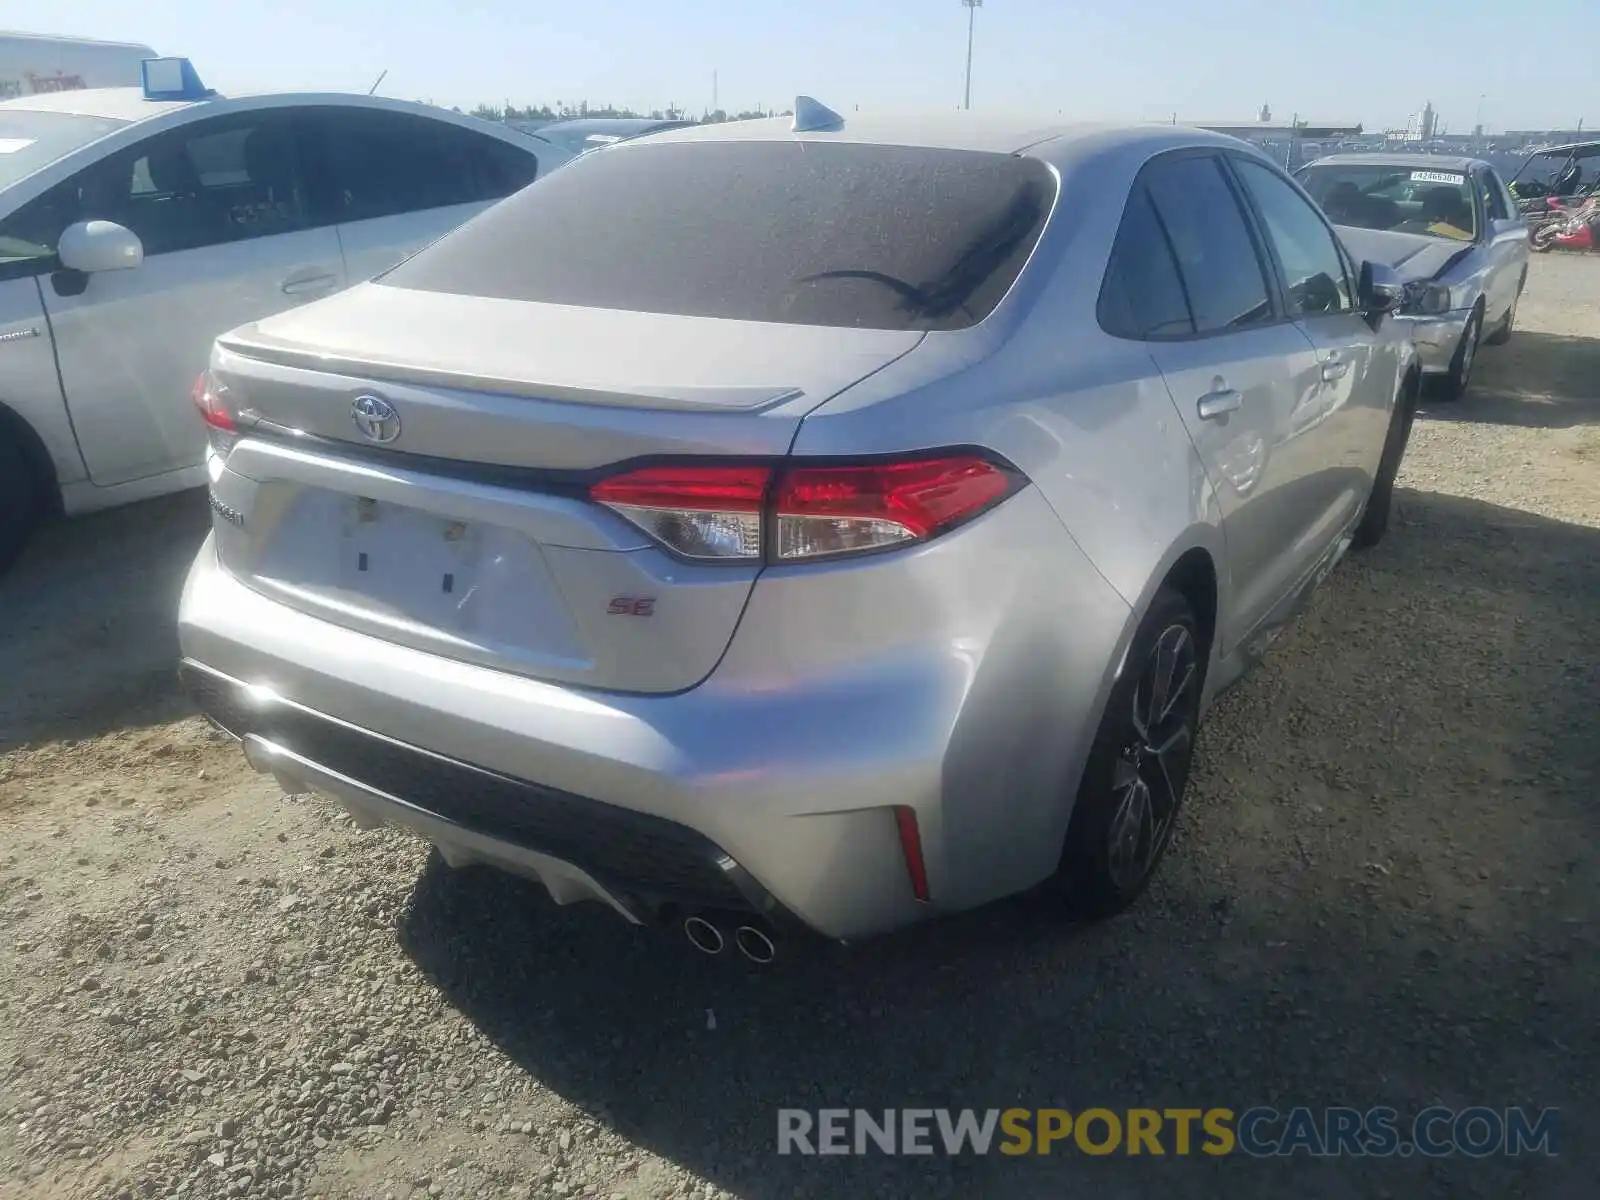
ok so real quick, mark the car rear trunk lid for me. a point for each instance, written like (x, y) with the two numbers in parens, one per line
(468, 533)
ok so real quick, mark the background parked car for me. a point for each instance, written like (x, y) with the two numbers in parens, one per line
(799, 520)
(1451, 230)
(590, 133)
(135, 229)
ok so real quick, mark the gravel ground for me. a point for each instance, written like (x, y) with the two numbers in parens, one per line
(1385, 891)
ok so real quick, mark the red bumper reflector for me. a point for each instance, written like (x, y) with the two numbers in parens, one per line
(911, 846)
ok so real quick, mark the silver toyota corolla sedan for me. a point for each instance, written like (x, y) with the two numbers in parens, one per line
(1450, 229)
(754, 527)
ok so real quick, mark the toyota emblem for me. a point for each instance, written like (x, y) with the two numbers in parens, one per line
(376, 418)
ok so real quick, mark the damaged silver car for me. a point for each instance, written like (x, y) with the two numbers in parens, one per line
(1451, 230)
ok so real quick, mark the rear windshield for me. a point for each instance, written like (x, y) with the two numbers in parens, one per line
(794, 232)
(30, 140)
(1409, 199)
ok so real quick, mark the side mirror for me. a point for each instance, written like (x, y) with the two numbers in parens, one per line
(95, 246)
(1379, 289)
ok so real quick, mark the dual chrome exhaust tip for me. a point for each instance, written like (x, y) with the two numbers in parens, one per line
(706, 936)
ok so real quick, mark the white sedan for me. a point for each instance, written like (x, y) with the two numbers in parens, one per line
(138, 224)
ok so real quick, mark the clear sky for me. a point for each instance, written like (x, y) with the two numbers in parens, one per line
(1372, 61)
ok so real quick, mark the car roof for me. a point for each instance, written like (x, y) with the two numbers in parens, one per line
(1420, 162)
(947, 131)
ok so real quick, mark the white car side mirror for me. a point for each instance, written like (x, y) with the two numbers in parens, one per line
(94, 246)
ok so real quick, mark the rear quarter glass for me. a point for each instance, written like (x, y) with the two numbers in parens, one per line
(789, 232)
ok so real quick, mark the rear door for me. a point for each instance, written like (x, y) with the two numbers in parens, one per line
(392, 182)
(1241, 377)
(218, 205)
(1339, 434)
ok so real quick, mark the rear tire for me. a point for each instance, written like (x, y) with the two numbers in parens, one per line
(1374, 521)
(1138, 768)
(1455, 384)
(19, 500)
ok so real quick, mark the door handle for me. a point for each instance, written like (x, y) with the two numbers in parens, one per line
(309, 283)
(1334, 368)
(1214, 405)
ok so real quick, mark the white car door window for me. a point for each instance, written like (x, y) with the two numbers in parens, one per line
(395, 181)
(220, 209)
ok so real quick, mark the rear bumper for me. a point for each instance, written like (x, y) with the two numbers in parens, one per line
(588, 850)
(771, 786)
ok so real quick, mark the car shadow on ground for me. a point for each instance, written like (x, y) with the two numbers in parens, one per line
(1334, 938)
(88, 622)
(1537, 380)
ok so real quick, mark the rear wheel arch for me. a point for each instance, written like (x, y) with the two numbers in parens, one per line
(1194, 576)
(1190, 567)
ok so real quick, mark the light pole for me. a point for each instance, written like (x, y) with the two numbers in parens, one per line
(972, 7)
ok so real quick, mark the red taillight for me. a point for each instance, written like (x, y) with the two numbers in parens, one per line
(722, 512)
(712, 488)
(711, 512)
(836, 510)
(905, 820)
(208, 399)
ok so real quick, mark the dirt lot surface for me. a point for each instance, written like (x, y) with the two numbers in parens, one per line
(1386, 890)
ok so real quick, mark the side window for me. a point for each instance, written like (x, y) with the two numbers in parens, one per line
(1217, 258)
(1142, 296)
(29, 236)
(1313, 269)
(224, 180)
(1507, 195)
(499, 168)
(1494, 196)
(374, 163)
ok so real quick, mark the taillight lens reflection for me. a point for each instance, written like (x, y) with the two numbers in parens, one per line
(208, 396)
(726, 512)
(707, 512)
(823, 511)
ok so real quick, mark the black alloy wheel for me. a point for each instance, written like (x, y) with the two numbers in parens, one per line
(1134, 783)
